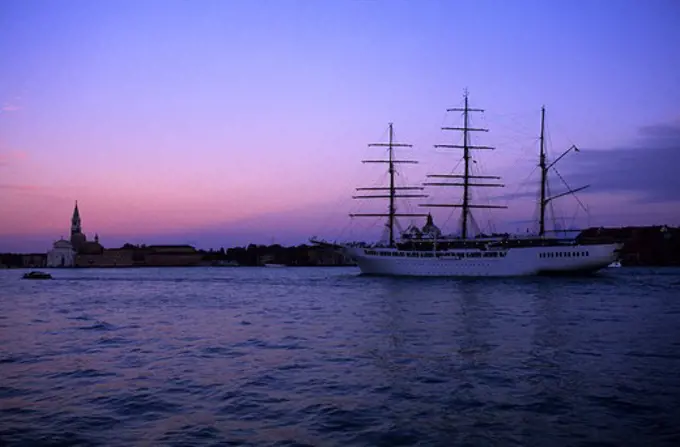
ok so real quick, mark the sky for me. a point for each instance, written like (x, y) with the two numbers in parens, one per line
(220, 123)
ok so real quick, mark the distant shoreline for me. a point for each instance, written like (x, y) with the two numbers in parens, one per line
(653, 246)
(169, 266)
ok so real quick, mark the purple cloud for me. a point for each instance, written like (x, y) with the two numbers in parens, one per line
(13, 187)
(10, 107)
(646, 168)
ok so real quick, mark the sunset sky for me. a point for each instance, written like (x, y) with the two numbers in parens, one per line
(219, 123)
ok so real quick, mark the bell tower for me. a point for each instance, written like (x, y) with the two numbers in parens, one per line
(75, 221)
(78, 239)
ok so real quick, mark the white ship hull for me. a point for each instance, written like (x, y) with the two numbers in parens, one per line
(516, 261)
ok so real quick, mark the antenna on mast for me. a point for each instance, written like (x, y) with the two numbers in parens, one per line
(466, 176)
(392, 188)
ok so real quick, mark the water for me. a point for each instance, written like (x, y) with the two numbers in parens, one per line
(321, 356)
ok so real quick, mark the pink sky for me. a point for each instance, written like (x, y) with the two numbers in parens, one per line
(226, 123)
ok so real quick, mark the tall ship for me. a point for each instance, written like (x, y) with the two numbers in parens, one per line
(427, 252)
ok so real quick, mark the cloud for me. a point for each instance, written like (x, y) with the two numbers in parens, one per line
(10, 107)
(646, 168)
(11, 187)
(662, 131)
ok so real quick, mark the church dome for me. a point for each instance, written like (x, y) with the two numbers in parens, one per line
(63, 243)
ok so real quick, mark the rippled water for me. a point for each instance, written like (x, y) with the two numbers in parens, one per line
(322, 356)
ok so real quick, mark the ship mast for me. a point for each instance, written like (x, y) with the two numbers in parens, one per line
(466, 176)
(544, 176)
(392, 189)
(545, 168)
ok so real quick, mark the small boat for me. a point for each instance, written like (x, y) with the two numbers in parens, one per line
(615, 264)
(37, 275)
(274, 265)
